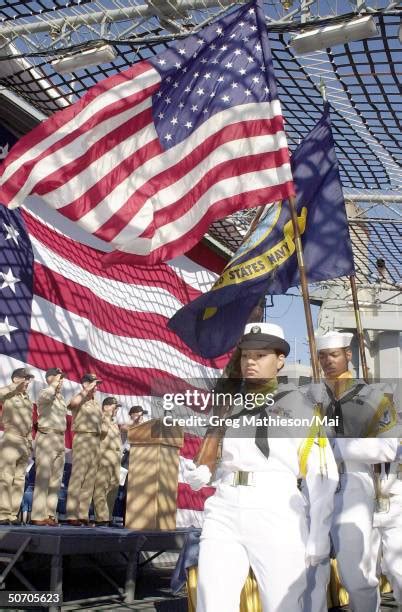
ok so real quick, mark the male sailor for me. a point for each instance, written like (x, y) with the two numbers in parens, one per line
(365, 434)
(256, 518)
(15, 445)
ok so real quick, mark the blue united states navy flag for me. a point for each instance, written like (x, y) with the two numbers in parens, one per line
(266, 262)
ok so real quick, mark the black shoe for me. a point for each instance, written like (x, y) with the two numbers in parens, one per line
(16, 522)
(5, 522)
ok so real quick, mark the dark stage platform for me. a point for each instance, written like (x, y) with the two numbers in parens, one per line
(63, 541)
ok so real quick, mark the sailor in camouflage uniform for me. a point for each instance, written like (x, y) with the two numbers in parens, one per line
(256, 518)
(365, 433)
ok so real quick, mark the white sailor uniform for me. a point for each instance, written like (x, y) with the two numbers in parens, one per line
(368, 413)
(387, 545)
(257, 515)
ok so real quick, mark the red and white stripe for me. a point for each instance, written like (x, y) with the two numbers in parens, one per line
(113, 322)
(100, 163)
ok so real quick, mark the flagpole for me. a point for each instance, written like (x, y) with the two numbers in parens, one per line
(359, 328)
(352, 280)
(254, 222)
(305, 291)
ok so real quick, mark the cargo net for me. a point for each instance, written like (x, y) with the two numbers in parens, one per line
(377, 248)
(375, 231)
(361, 78)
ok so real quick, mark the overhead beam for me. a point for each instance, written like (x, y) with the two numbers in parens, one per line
(361, 197)
(147, 10)
(107, 16)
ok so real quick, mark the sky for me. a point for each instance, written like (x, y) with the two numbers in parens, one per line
(288, 312)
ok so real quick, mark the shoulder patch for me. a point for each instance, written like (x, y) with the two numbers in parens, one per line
(384, 419)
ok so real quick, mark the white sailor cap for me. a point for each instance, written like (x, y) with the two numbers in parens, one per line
(264, 336)
(333, 339)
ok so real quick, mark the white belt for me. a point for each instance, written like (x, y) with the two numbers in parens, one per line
(345, 467)
(253, 479)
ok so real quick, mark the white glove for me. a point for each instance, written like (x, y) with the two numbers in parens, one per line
(196, 477)
(314, 560)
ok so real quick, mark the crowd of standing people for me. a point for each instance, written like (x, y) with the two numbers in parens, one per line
(97, 450)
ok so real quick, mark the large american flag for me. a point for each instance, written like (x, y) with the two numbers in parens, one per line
(148, 158)
(59, 307)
